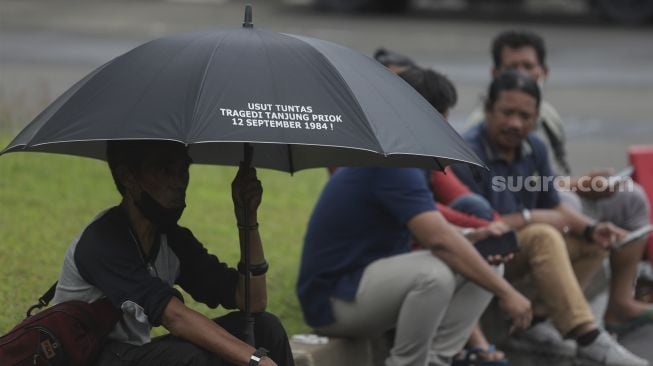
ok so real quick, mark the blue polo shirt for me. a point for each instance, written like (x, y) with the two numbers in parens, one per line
(360, 217)
(506, 185)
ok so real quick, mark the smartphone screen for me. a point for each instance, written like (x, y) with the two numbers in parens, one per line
(498, 245)
(633, 236)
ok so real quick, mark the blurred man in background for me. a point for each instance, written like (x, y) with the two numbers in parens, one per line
(629, 209)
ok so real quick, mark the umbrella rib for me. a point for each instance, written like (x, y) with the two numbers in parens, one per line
(437, 161)
(267, 57)
(346, 85)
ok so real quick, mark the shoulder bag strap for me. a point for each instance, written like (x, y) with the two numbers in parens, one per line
(43, 300)
(558, 148)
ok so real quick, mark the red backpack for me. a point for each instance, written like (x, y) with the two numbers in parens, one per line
(70, 333)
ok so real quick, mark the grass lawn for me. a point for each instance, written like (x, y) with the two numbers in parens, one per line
(46, 199)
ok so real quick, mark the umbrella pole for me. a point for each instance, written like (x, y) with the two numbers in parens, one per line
(248, 332)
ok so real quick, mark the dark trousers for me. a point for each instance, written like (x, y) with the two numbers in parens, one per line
(169, 350)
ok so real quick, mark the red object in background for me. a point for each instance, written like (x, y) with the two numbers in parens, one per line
(641, 158)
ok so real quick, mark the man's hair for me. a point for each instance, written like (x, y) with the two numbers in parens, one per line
(390, 58)
(131, 154)
(512, 80)
(518, 39)
(436, 88)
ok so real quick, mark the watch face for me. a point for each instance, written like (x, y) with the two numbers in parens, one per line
(256, 357)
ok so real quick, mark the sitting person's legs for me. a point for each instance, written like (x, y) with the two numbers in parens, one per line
(411, 292)
(466, 307)
(476, 205)
(172, 350)
(548, 258)
(555, 290)
(473, 204)
(268, 333)
(629, 210)
(586, 259)
(165, 350)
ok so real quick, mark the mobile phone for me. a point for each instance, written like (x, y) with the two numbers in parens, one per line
(633, 236)
(621, 176)
(498, 245)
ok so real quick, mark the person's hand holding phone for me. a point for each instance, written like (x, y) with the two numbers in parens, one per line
(606, 234)
(495, 228)
(632, 237)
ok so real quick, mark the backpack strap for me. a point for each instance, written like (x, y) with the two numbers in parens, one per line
(43, 300)
(558, 148)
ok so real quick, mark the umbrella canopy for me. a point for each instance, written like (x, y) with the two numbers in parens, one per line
(301, 103)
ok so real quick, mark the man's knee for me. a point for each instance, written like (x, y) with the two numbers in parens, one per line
(540, 237)
(438, 278)
(474, 204)
(270, 323)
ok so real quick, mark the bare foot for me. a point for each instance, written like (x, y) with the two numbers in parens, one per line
(616, 314)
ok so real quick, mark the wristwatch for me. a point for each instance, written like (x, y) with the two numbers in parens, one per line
(256, 357)
(467, 232)
(526, 213)
(588, 233)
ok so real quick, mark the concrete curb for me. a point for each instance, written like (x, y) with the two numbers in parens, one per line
(338, 351)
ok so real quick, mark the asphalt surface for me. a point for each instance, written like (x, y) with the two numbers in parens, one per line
(601, 78)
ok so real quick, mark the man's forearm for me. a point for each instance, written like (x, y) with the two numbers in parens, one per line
(445, 242)
(553, 217)
(436, 234)
(258, 287)
(576, 221)
(461, 256)
(515, 220)
(256, 253)
(194, 327)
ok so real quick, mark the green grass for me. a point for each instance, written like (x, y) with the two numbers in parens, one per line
(47, 199)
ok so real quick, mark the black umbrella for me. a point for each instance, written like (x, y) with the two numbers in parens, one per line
(299, 103)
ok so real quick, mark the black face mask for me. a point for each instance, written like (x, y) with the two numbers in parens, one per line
(162, 217)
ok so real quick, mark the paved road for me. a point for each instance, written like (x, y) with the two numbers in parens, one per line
(601, 75)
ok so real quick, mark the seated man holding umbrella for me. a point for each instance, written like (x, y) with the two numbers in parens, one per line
(134, 254)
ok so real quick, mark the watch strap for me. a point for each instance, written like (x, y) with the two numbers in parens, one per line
(255, 269)
(256, 357)
(588, 233)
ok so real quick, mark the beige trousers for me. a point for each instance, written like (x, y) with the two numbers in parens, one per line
(551, 271)
(431, 307)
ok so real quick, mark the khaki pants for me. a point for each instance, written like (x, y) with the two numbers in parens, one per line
(431, 307)
(550, 271)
